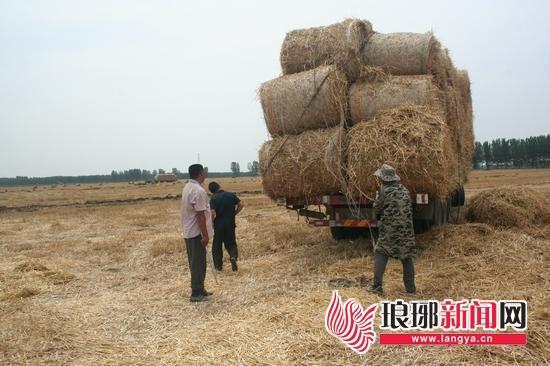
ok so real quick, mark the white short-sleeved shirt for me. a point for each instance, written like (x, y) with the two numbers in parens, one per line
(194, 199)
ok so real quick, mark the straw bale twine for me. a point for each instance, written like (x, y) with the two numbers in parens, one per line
(305, 101)
(406, 54)
(368, 98)
(308, 164)
(338, 44)
(510, 206)
(412, 139)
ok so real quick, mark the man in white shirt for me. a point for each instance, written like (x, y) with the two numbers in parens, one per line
(196, 222)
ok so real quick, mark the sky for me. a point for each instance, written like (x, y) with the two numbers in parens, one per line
(88, 87)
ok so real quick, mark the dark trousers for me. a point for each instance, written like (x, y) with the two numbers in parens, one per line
(380, 262)
(196, 254)
(227, 237)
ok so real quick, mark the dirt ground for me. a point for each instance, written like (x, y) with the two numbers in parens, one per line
(98, 275)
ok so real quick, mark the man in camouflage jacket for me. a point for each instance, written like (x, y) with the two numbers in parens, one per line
(395, 229)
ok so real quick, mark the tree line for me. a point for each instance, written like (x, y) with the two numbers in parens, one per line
(135, 175)
(532, 152)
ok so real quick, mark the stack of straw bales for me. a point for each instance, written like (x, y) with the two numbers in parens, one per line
(351, 99)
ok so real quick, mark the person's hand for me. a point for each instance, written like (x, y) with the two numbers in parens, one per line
(205, 240)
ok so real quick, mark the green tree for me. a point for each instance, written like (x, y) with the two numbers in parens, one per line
(517, 153)
(477, 159)
(146, 175)
(254, 168)
(532, 150)
(487, 154)
(501, 152)
(235, 169)
(544, 149)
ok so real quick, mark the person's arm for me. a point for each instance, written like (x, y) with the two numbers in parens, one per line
(240, 206)
(201, 220)
(213, 212)
(378, 205)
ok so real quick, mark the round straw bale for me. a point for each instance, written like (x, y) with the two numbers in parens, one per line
(448, 67)
(304, 101)
(338, 44)
(405, 54)
(367, 98)
(462, 84)
(468, 138)
(459, 117)
(308, 164)
(412, 139)
(510, 206)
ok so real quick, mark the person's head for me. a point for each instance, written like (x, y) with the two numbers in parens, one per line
(386, 174)
(196, 172)
(213, 187)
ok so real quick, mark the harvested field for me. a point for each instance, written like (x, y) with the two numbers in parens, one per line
(97, 275)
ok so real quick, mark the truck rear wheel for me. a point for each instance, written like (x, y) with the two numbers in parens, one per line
(338, 233)
(353, 232)
(458, 198)
(421, 225)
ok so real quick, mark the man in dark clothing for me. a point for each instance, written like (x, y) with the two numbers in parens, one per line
(225, 206)
(395, 228)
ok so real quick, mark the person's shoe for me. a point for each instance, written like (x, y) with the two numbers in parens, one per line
(206, 293)
(376, 290)
(219, 269)
(411, 292)
(199, 298)
(234, 266)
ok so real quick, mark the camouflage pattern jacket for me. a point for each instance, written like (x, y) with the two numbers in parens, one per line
(396, 233)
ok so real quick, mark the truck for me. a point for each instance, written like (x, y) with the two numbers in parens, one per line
(166, 178)
(350, 218)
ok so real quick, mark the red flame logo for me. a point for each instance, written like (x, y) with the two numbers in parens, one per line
(350, 323)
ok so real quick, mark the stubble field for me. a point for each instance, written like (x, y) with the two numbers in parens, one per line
(98, 275)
